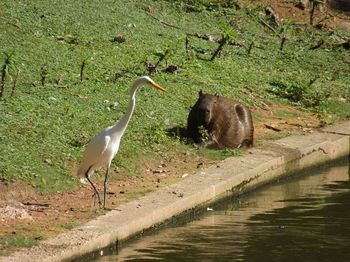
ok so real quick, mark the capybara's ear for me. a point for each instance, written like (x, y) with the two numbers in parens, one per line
(216, 98)
(200, 93)
(241, 113)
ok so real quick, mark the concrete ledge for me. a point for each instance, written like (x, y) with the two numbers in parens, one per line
(233, 175)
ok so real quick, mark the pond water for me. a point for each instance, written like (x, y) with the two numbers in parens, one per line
(303, 218)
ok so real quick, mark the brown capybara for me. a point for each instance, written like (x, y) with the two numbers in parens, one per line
(228, 123)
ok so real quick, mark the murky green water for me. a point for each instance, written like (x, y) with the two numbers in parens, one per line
(306, 218)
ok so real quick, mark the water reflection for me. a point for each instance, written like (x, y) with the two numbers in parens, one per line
(302, 219)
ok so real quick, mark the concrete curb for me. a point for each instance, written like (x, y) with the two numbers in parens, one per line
(233, 175)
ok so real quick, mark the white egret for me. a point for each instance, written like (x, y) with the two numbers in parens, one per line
(104, 146)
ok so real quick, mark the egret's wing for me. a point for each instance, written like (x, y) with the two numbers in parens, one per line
(94, 150)
(97, 146)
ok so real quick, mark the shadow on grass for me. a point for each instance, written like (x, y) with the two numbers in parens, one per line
(179, 132)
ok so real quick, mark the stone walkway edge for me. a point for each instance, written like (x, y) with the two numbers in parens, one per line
(258, 166)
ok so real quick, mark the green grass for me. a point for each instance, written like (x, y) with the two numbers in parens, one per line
(70, 225)
(336, 110)
(13, 241)
(273, 136)
(285, 114)
(43, 130)
(220, 155)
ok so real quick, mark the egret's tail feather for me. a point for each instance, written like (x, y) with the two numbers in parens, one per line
(81, 173)
(83, 180)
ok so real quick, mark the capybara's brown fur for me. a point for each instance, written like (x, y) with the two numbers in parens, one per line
(228, 123)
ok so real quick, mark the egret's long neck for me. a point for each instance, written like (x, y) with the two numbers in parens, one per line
(123, 122)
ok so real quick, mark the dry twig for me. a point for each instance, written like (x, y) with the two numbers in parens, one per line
(275, 18)
(268, 26)
(14, 84)
(153, 68)
(273, 128)
(162, 22)
(218, 51)
(318, 45)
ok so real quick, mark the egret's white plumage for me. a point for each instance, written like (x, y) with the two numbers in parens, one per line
(104, 146)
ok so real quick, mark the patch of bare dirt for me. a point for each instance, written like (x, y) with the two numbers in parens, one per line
(283, 120)
(325, 17)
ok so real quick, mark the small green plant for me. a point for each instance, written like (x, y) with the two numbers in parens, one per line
(6, 70)
(204, 134)
(43, 74)
(83, 65)
(283, 34)
(228, 33)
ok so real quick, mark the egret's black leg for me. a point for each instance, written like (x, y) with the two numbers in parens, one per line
(105, 187)
(93, 186)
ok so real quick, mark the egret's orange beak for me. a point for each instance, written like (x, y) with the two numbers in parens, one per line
(155, 85)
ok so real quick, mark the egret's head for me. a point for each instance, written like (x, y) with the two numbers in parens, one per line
(146, 80)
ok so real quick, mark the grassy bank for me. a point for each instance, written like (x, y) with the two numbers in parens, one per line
(45, 125)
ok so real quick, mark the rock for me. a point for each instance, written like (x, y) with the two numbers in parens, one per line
(344, 27)
(190, 8)
(150, 9)
(172, 69)
(343, 5)
(303, 4)
(9, 212)
(119, 39)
